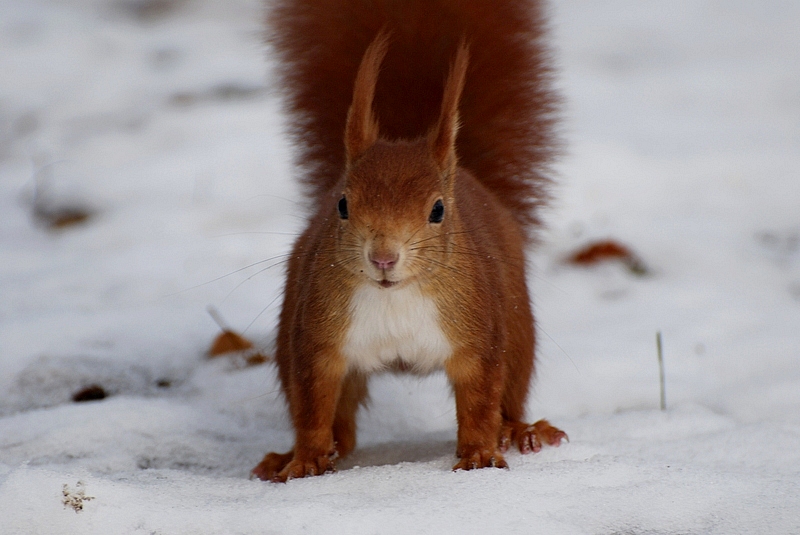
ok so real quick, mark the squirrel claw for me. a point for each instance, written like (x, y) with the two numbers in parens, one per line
(484, 458)
(505, 443)
(530, 438)
(271, 465)
(281, 467)
(297, 468)
(547, 434)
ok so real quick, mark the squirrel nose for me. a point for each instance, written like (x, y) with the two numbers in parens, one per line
(383, 260)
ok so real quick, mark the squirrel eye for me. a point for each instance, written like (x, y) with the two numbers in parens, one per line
(343, 208)
(437, 214)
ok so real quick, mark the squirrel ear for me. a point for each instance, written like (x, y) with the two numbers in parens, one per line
(361, 129)
(442, 139)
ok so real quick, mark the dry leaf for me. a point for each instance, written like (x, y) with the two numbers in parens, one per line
(228, 342)
(605, 251)
(62, 217)
(90, 393)
(239, 349)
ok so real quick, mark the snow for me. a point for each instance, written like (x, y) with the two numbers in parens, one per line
(682, 129)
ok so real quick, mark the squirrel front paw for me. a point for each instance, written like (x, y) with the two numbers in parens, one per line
(480, 458)
(304, 468)
(281, 467)
(271, 465)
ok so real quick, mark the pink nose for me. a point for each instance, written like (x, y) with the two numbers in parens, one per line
(383, 260)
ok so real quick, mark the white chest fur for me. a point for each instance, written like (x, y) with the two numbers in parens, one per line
(388, 325)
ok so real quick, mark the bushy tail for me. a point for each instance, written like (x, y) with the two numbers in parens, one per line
(507, 136)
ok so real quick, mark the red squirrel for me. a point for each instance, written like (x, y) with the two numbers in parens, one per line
(425, 129)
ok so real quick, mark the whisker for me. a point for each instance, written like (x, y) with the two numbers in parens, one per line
(414, 234)
(262, 311)
(468, 231)
(468, 252)
(346, 260)
(229, 274)
(260, 271)
(259, 396)
(296, 203)
(539, 326)
(549, 283)
(508, 260)
(258, 232)
(441, 264)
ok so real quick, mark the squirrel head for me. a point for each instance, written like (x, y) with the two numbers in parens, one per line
(397, 210)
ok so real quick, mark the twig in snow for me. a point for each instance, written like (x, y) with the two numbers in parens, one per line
(661, 371)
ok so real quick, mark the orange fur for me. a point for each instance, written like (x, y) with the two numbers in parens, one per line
(423, 184)
(507, 107)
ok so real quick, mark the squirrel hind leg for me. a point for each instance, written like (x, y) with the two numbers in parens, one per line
(530, 438)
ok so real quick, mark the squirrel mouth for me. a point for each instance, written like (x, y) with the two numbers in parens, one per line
(385, 283)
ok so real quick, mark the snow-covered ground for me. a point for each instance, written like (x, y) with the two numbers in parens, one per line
(682, 123)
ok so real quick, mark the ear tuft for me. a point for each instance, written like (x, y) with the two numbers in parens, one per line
(361, 129)
(442, 139)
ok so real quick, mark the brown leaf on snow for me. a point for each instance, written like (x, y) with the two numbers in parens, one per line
(90, 393)
(228, 342)
(238, 348)
(606, 251)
